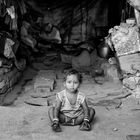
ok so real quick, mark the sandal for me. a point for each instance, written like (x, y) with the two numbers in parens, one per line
(56, 127)
(85, 126)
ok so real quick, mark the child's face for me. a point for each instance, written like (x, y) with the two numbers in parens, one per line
(71, 83)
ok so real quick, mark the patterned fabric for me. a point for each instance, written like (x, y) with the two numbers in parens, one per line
(67, 108)
(125, 39)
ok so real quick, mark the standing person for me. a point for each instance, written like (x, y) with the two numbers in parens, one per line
(71, 106)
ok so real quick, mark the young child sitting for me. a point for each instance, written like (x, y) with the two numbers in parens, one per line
(71, 106)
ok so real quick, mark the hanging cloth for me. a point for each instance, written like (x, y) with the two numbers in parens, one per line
(13, 24)
(8, 52)
(11, 12)
(13, 15)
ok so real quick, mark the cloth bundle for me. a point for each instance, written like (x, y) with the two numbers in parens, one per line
(125, 39)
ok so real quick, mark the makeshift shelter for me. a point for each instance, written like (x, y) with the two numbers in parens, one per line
(75, 31)
(41, 39)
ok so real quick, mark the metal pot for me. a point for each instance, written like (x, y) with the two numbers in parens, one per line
(104, 51)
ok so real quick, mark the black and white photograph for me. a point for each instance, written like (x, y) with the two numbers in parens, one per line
(69, 70)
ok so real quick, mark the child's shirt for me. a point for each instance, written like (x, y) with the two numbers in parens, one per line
(67, 108)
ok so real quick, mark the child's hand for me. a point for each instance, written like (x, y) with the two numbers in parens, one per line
(56, 126)
(85, 126)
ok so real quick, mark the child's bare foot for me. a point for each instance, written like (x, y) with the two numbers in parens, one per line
(56, 127)
(85, 126)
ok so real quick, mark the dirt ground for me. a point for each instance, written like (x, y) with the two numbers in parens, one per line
(25, 117)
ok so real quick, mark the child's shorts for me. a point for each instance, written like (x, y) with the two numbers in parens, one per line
(69, 121)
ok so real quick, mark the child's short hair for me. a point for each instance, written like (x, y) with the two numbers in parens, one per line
(73, 72)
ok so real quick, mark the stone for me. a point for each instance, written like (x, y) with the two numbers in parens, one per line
(44, 81)
(136, 93)
(2, 84)
(49, 74)
(115, 103)
(43, 85)
(130, 82)
(37, 101)
(133, 137)
(41, 94)
(130, 63)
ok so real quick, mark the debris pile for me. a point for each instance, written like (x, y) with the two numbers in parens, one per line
(10, 67)
(126, 42)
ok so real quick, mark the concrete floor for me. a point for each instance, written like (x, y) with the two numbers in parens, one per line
(117, 113)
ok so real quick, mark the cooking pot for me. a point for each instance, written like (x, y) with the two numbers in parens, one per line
(104, 51)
